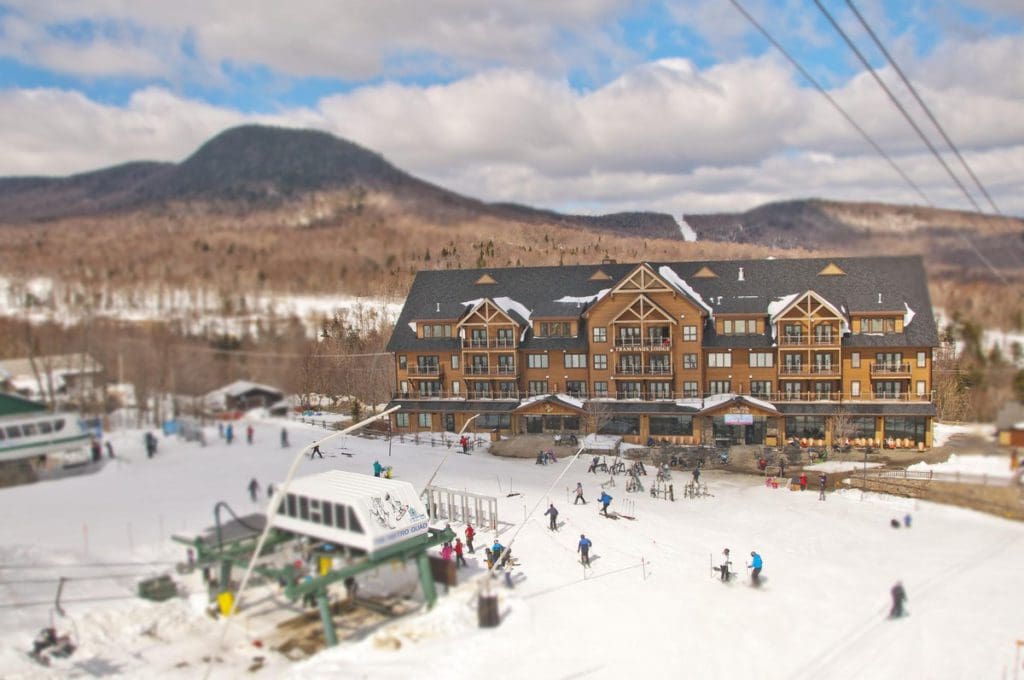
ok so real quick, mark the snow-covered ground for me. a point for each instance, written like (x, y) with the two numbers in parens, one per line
(991, 466)
(943, 431)
(648, 606)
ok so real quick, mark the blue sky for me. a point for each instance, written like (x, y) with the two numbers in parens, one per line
(599, 105)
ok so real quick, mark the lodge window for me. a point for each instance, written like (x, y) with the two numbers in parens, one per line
(481, 390)
(793, 332)
(575, 360)
(671, 425)
(403, 362)
(600, 388)
(859, 427)
(761, 359)
(823, 332)
(878, 326)
(600, 362)
(629, 390)
(905, 427)
(791, 390)
(792, 362)
(340, 514)
(893, 361)
(430, 388)
(922, 360)
(495, 421)
(661, 390)
(507, 389)
(402, 420)
(554, 329)
(600, 334)
(719, 386)
(739, 327)
(455, 362)
(689, 361)
(303, 508)
(537, 360)
(576, 388)
(425, 420)
(537, 387)
(855, 388)
(427, 363)
(690, 389)
(922, 388)
(690, 333)
(456, 387)
(805, 426)
(621, 425)
(822, 390)
(855, 360)
(437, 330)
(506, 338)
(719, 360)
(761, 388)
(887, 389)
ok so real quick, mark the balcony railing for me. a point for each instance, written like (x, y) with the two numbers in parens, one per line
(500, 369)
(427, 370)
(901, 370)
(644, 343)
(826, 341)
(650, 369)
(647, 395)
(812, 370)
(792, 340)
(489, 343)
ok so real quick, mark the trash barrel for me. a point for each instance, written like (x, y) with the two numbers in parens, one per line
(487, 611)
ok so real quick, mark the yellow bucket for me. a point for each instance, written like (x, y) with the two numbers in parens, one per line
(224, 601)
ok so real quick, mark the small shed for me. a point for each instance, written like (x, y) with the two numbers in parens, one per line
(360, 512)
(243, 395)
(1010, 424)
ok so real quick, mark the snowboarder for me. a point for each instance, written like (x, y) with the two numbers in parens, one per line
(822, 478)
(899, 596)
(584, 550)
(377, 468)
(459, 559)
(470, 533)
(446, 552)
(316, 452)
(284, 438)
(605, 500)
(724, 567)
(254, 489)
(803, 481)
(756, 563)
(553, 512)
(248, 434)
(579, 494)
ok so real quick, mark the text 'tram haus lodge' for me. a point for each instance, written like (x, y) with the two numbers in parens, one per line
(728, 352)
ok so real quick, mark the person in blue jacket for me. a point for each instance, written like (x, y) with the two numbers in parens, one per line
(377, 468)
(756, 562)
(605, 500)
(584, 550)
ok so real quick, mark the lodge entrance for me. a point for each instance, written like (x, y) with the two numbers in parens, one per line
(738, 429)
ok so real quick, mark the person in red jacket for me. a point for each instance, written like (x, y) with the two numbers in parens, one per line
(470, 533)
(803, 481)
(459, 559)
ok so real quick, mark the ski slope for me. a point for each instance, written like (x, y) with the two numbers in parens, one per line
(648, 605)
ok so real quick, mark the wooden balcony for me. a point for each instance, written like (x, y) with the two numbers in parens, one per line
(794, 340)
(890, 370)
(810, 371)
(644, 370)
(645, 344)
(425, 371)
(490, 370)
(489, 343)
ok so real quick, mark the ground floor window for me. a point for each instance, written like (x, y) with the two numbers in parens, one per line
(576, 388)
(621, 425)
(906, 427)
(661, 390)
(494, 421)
(731, 430)
(550, 423)
(805, 426)
(761, 388)
(857, 427)
(600, 388)
(662, 425)
(425, 420)
(629, 390)
(537, 387)
(402, 420)
(690, 389)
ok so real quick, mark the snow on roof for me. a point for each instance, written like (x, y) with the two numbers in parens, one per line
(676, 281)
(507, 305)
(586, 299)
(601, 442)
(572, 401)
(412, 325)
(908, 316)
(776, 306)
(239, 387)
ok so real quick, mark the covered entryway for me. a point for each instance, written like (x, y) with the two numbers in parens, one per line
(737, 420)
(549, 414)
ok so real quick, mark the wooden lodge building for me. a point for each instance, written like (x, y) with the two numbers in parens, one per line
(727, 352)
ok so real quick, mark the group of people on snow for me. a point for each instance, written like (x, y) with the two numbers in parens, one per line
(755, 565)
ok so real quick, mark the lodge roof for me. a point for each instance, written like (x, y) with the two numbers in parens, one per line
(894, 285)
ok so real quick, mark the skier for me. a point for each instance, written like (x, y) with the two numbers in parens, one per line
(459, 559)
(605, 500)
(553, 512)
(220, 430)
(377, 468)
(822, 478)
(316, 452)
(782, 467)
(248, 434)
(270, 490)
(489, 557)
(470, 533)
(97, 450)
(254, 489)
(584, 550)
(496, 553)
(906, 520)
(724, 567)
(899, 596)
(803, 481)
(696, 475)
(110, 450)
(229, 433)
(464, 443)
(593, 465)
(756, 563)
(446, 552)
(284, 438)
(579, 494)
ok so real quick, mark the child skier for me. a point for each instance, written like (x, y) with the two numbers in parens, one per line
(459, 559)
(553, 512)
(470, 533)
(579, 494)
(724, 567)
(605, 500)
